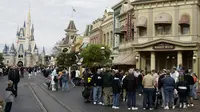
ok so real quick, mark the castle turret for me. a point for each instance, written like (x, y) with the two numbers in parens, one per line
(28, 24)
(43, 56)
(28, 56)
(12, 54)
(5, 50)
(32, 33)
(36, 54)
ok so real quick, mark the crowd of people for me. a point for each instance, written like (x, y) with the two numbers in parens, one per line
(110, 87)
(57, 78)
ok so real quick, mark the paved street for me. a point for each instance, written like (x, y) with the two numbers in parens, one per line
(33, 89)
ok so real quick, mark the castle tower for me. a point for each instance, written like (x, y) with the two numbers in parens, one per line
(71, 32)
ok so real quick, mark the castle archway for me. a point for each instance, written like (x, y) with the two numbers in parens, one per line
(20, 64)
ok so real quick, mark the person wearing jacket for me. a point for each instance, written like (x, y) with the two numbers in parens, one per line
(148, 83)
(65, 80)
(182, 89)
(116, 88)
(160, 86)
(14, 76)
(130, 84)
(169, 86)
(97, 81)
(107, 87)
(9, 96)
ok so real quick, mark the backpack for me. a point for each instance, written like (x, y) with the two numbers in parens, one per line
(86, 92)
(9, 96)
(64, 78)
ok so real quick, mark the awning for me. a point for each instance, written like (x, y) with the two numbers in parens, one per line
(125, 59)
(163, 18)
(184, 20)
(130, 60)
(142, 22)
(119, 59)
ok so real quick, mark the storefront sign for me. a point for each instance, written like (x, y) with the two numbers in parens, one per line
(164, 46)
(129, 25)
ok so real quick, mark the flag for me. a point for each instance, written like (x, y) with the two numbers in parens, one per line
(74, 10)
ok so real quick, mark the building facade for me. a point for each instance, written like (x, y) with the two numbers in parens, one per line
(68, 43)
(124, 34)
(167, 34)
(24, 52)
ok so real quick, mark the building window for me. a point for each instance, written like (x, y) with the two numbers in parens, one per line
(142, 31)
(185, 29)
(121, 40)
(104, 39)
(111, 39)
(7, 61)
(163, 29)
(108, 36)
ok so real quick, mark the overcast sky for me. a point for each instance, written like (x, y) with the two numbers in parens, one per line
(50, 17)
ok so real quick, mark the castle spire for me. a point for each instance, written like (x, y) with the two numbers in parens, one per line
(28, 24)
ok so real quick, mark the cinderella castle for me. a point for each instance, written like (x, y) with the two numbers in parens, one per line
(25, 51)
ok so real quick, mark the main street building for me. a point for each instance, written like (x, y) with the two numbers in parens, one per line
(165, 33)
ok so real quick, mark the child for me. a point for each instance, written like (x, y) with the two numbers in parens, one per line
(9, 96)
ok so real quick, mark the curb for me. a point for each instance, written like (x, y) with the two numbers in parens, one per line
(54, 97)
(37, 99)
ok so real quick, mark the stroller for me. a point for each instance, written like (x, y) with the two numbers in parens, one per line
(48, 82)
(157, 99)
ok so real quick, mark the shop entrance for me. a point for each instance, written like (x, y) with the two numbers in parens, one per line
(166, 60)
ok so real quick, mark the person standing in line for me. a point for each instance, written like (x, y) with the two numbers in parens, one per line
(190, 82)
(123, 89)
(107, 87)
(148, 83)
(116, 88)
(169, 86)
(160, 86)
(195, 86)
(130, 83)
(182, 89)
(14, 76)
(139, 80)
(9, 96)
(97, 81)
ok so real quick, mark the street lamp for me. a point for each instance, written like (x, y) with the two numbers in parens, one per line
(102, 48)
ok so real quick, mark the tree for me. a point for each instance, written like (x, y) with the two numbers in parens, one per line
(56, 49)
(1, 60)
(65, 60)
(94, 55)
